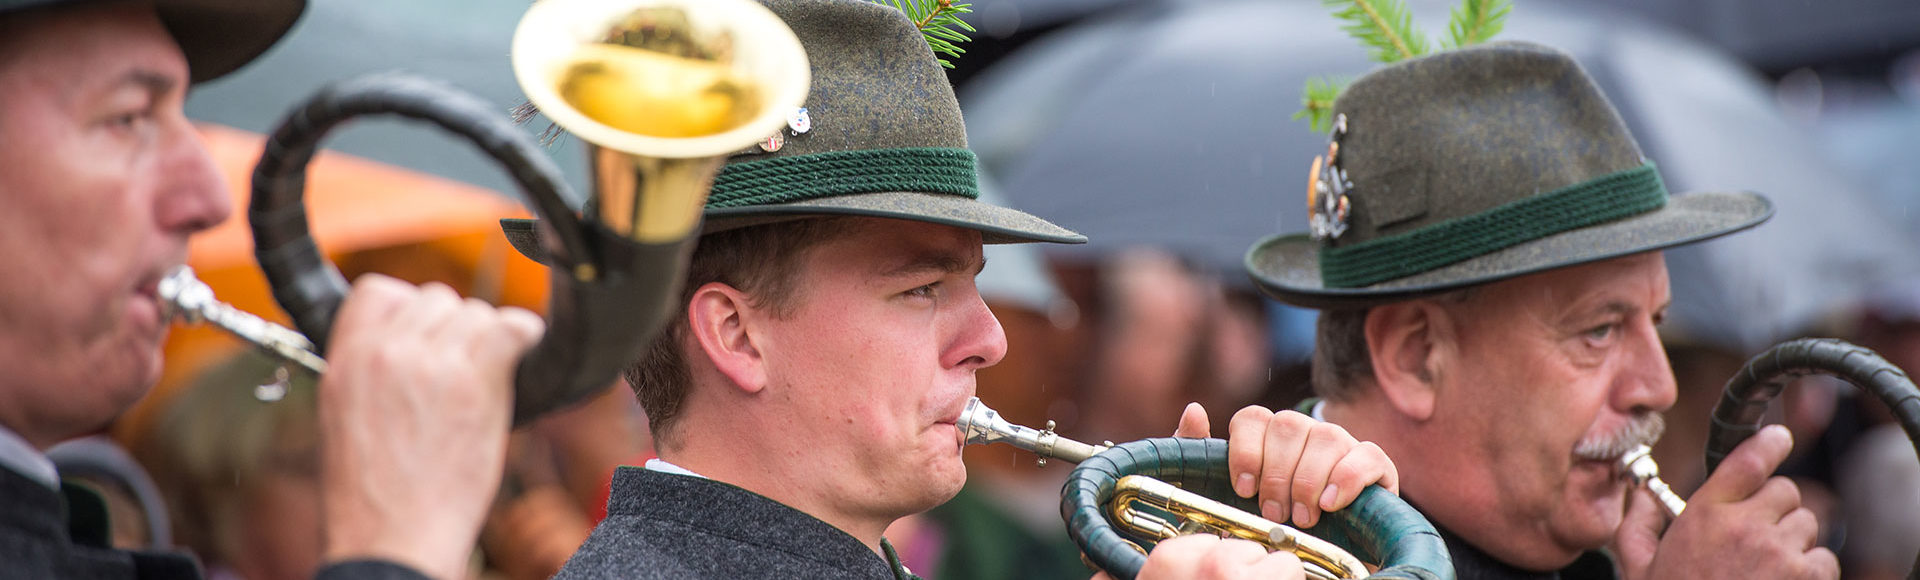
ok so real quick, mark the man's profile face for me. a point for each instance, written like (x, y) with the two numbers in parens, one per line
(1549, 374)
(876, 360)
(101, 181)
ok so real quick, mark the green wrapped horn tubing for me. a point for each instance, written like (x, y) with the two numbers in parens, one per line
(1378, 528)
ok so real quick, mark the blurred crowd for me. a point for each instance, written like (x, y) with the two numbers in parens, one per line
(1107, 344)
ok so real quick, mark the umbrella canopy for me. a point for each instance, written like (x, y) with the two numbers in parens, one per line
(463, 42)
(1172, 129)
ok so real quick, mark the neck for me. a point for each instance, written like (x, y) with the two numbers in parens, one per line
(767, 458)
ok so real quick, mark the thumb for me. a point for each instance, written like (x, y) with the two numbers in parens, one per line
(1747, 467)
(1639, 534)
(1193, 423)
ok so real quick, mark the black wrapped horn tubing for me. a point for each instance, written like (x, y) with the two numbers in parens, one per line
(595, 326)
(1378, 527)
(1744, 403)
(308, 286)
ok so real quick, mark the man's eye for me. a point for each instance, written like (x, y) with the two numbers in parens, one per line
(923, 291)
(128, 121)
(1601, 333)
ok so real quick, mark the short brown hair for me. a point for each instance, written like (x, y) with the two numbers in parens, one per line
(1342, 362)
(763, 262)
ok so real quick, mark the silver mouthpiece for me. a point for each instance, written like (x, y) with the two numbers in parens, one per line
(1640, 467)
(980, 425)
(185, 298)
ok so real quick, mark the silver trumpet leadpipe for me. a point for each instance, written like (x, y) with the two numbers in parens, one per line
(186, 299)
(980, 425)
(1640, 467)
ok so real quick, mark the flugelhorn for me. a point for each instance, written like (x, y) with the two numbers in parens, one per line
(1149, 509)
(661, 91)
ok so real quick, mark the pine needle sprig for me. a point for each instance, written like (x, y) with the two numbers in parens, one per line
(1476, 21)
(939, 21)
(1383, 25)
(1386, 27)
(1316, 103)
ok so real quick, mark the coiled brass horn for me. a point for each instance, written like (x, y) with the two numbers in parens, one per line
(661, 90)
(1150, 510)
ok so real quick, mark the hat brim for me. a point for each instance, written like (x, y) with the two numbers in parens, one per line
(216, 36)
(997, 225)
(220, 36)
(1287, 267)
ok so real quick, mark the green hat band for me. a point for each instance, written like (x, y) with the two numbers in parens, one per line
(942, 170)
(1600, 200)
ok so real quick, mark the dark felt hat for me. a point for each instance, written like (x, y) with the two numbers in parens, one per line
(883, 138)
(217, 36)
(1473, 166)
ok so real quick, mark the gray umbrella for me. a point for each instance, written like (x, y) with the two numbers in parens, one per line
(464, 42)
(1171, 128)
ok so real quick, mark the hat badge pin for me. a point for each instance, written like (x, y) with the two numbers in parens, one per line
(798, 123)
(1327, 188)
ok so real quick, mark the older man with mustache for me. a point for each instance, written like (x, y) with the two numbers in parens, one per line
(1486, 247)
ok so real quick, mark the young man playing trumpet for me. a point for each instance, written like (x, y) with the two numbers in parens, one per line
(805, 395)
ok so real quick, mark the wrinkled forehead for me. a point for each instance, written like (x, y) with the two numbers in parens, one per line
(1636, 284)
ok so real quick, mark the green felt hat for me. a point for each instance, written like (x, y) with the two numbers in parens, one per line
(217, 36)
(885, 139)
(1473, 166)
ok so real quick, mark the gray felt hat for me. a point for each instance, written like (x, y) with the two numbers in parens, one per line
(885, 139)
(1473, 166)
(217, 36)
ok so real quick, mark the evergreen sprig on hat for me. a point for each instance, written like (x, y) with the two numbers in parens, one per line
(1386, 28)
(937, 20)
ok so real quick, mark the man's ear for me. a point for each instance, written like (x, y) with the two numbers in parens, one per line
(1405, 341)
(718, 319)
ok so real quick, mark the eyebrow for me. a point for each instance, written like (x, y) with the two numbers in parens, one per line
(154, 82)
(936, 262)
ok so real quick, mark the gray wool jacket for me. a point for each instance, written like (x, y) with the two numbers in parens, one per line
(677, 527)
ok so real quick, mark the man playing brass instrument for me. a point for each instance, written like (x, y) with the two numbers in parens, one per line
(1486, 251)
(804, 397)
(102, 179)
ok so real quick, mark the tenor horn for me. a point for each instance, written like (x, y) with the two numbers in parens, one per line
(660, 90)
(1121, 499)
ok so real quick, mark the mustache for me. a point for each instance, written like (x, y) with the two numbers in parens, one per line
(1643, 429)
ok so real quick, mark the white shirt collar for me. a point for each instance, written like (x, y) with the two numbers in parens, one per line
(1319, 410)
(661, 465)
(19, 456)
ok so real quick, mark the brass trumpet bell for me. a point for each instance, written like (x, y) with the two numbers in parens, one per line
(662, 91)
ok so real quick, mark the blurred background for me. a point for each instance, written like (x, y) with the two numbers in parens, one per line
(1160, 128)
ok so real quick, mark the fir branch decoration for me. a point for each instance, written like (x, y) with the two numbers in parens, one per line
(1383, 25)
(1387, 28)
(1476, 21)
(938, 21)
(1316, 103)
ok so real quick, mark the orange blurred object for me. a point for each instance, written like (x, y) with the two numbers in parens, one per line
(368, 217)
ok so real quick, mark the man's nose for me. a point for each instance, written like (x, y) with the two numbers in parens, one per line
(981, 342)
(192, 193)
(1646, 382)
